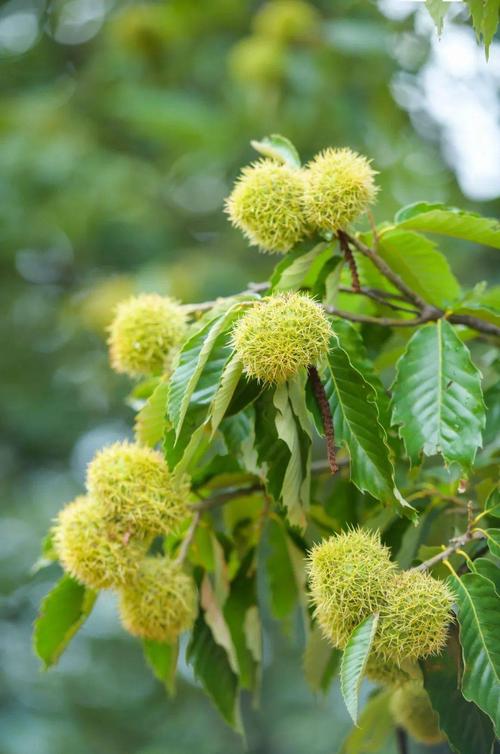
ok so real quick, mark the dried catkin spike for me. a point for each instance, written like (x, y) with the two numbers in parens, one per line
(145, 334)
(348, 576)
(280, 335)
(339, 186)
(94, 549)
(267, 205)
(134, 484)
(161, 603)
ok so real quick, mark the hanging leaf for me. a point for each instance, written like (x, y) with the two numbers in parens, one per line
(279, 148)
(450, 221)
(353, 405)
(211, 667)
(437, 399)
(354, 661)
(422, 267)
(437, 10)
(479, 619)
(201, 363)
(301, 268)
(162, 659)
(321, 661)
(352, 342)
(283, 588)
(489, 570)
(245, 631)
(150, 420)
(62, 613)
(225, 392)
(466, 727)
(493, 538)
(375, 727)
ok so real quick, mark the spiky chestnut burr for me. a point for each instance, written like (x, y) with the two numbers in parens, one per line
(160, 603)
(280, 335)
(93, 548)
(348, 576)
(134, 485)
(339, 186)
(267, 205)
(144, 334)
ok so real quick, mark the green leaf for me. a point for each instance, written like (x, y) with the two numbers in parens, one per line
(150, 420)
(437, 10)
(479, 619)
(295, 488)
(242, 617)
(320, 661)
(490, 22)
(374, 728)
(48, 554)
(493, 537)
(283, 588)
(422, 267)
(62, 612)
(489, 570)
(354, 661)
(211, 667)
(273, 454)
(227, 386)
(352, 402)
(450, 221)
(301, 268)
(192, 360)
(278, 148)
(468, 730)
(352, 342)
(437, 398)
(162, 659)
(492, 504)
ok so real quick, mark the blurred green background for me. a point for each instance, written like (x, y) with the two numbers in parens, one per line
(122, 127)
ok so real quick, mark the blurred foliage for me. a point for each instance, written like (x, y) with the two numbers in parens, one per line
(121, 130)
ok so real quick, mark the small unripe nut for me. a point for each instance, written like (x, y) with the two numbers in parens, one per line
(257, 60)
(348, 575)
(267, 205)
(415, 618)
(96, 550)
(160, 603)
(287, 20)
(412, 710)
(388, 673)
(134, 484)
(145, 333)
(339, 186)
(280, 335)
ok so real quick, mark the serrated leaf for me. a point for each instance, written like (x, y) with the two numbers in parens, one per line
(211, 667)
(214, 618)
(352, 402)
(301, 268)
(374, 728)
(437, 398)
(162, 659)
(272, 453)
(450, 221)
(150, 420)
(283, 588)
(466, 727)
(225, 391)
(354, 661)
(489, 570)
(420, 264)
(352, 342)
(320, 661)
(278, 148)
(242, 617)
(479, 619)
(201, 363)
(493, 539)
(62, 612)
(295, 488)
(490, 22)
(437, 10)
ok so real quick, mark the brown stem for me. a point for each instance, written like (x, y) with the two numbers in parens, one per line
(326, 415)
(402, 741)
(455, 544)
(349, 258)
